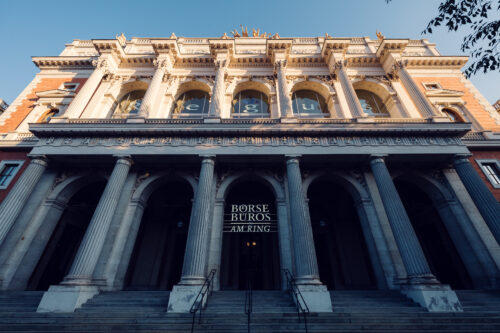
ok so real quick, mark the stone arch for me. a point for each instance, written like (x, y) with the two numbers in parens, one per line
(144, 190)
(455, 222)
(253, 84)
(36, 237)
(118, 92)
(266, 179)
(313, 84)
(457, 113)
(121, 251)
(129, 86)
(382, 90)
(380, 257)
(275, 186)
(197, 84)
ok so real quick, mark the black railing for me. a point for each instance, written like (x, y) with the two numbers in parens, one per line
(202, 297)
(249, 304)
(298, 299)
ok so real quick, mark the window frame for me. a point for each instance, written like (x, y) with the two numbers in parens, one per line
(481, 163)
(309, 115)
(428, 84)
(191, 115)
(14, 173)
(66, 84)
(264, 98)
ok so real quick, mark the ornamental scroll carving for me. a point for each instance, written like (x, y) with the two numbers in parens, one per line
(260, 141)
(102, 65)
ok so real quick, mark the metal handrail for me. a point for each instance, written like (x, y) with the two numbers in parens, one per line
(249, 303)
(199, 302)
(300, 302)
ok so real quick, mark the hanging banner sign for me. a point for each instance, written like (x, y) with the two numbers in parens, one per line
(250, 218)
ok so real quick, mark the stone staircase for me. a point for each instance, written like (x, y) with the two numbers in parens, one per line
(354, 311)
(127, 301)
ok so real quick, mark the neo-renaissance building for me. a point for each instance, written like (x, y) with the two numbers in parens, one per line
(144, 164)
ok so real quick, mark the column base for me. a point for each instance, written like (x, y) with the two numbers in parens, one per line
(440, 119)
(289, 120)
(182, 298)
(316, 297)
(212, 120)
(136, 120)
(433, 297)
(66, 298)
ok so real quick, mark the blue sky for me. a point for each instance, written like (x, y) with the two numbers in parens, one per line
(41, 28)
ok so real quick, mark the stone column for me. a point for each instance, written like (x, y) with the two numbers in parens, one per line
(349, 92)
(423, 105)
(195, 258)
(12, 205)
(305, 253)
(88, 253)
(217, 101)
(422, 286)
(81, 100)
(162, 65)
(485, 202)
(193, 270)
(412, 254)
(314, 294)
(284, 95)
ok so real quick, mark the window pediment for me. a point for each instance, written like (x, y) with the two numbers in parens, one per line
(444, 93)
(55, 93)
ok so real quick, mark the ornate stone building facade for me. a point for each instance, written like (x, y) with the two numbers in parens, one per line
(145, 164)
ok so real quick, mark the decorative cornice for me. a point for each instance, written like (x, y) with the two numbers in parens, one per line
(79, 127)
(453, 62)
(63, 61)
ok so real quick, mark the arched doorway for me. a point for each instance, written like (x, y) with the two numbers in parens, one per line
(156, 262)
(250, 251)
(341, 251)
(438, 247)
(61, 249)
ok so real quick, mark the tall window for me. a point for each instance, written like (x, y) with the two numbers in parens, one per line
(45, 118)
(308, 104)
(250, 104)
(191, 104)
(452, 115)
(130, 104)
(8, 170)
(372, 104)
(491, 169)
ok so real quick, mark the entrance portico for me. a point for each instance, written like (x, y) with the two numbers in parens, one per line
(255, 169)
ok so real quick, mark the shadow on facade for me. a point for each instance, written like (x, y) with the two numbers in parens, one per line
(61, 249)
(157, 258)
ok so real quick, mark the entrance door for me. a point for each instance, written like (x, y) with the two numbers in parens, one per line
(250, 252)
(156, 263)
(343, 260)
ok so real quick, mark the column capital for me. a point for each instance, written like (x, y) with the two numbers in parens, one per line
(124, 159)
(207, 159)
(280, 64)
(39, 159)
(221, 64)
(292, 158)
(378, 158)
(461, 158)
(162, 63)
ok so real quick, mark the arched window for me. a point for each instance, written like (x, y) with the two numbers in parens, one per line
(45, 118)
(308, 104)
(130, 104)
(372, 104)
(452, 115)
(250, 104)
(191, 104)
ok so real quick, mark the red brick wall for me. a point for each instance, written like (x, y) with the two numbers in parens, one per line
(472, 104)
(485, 155)
(17, 156)
(27, 105)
